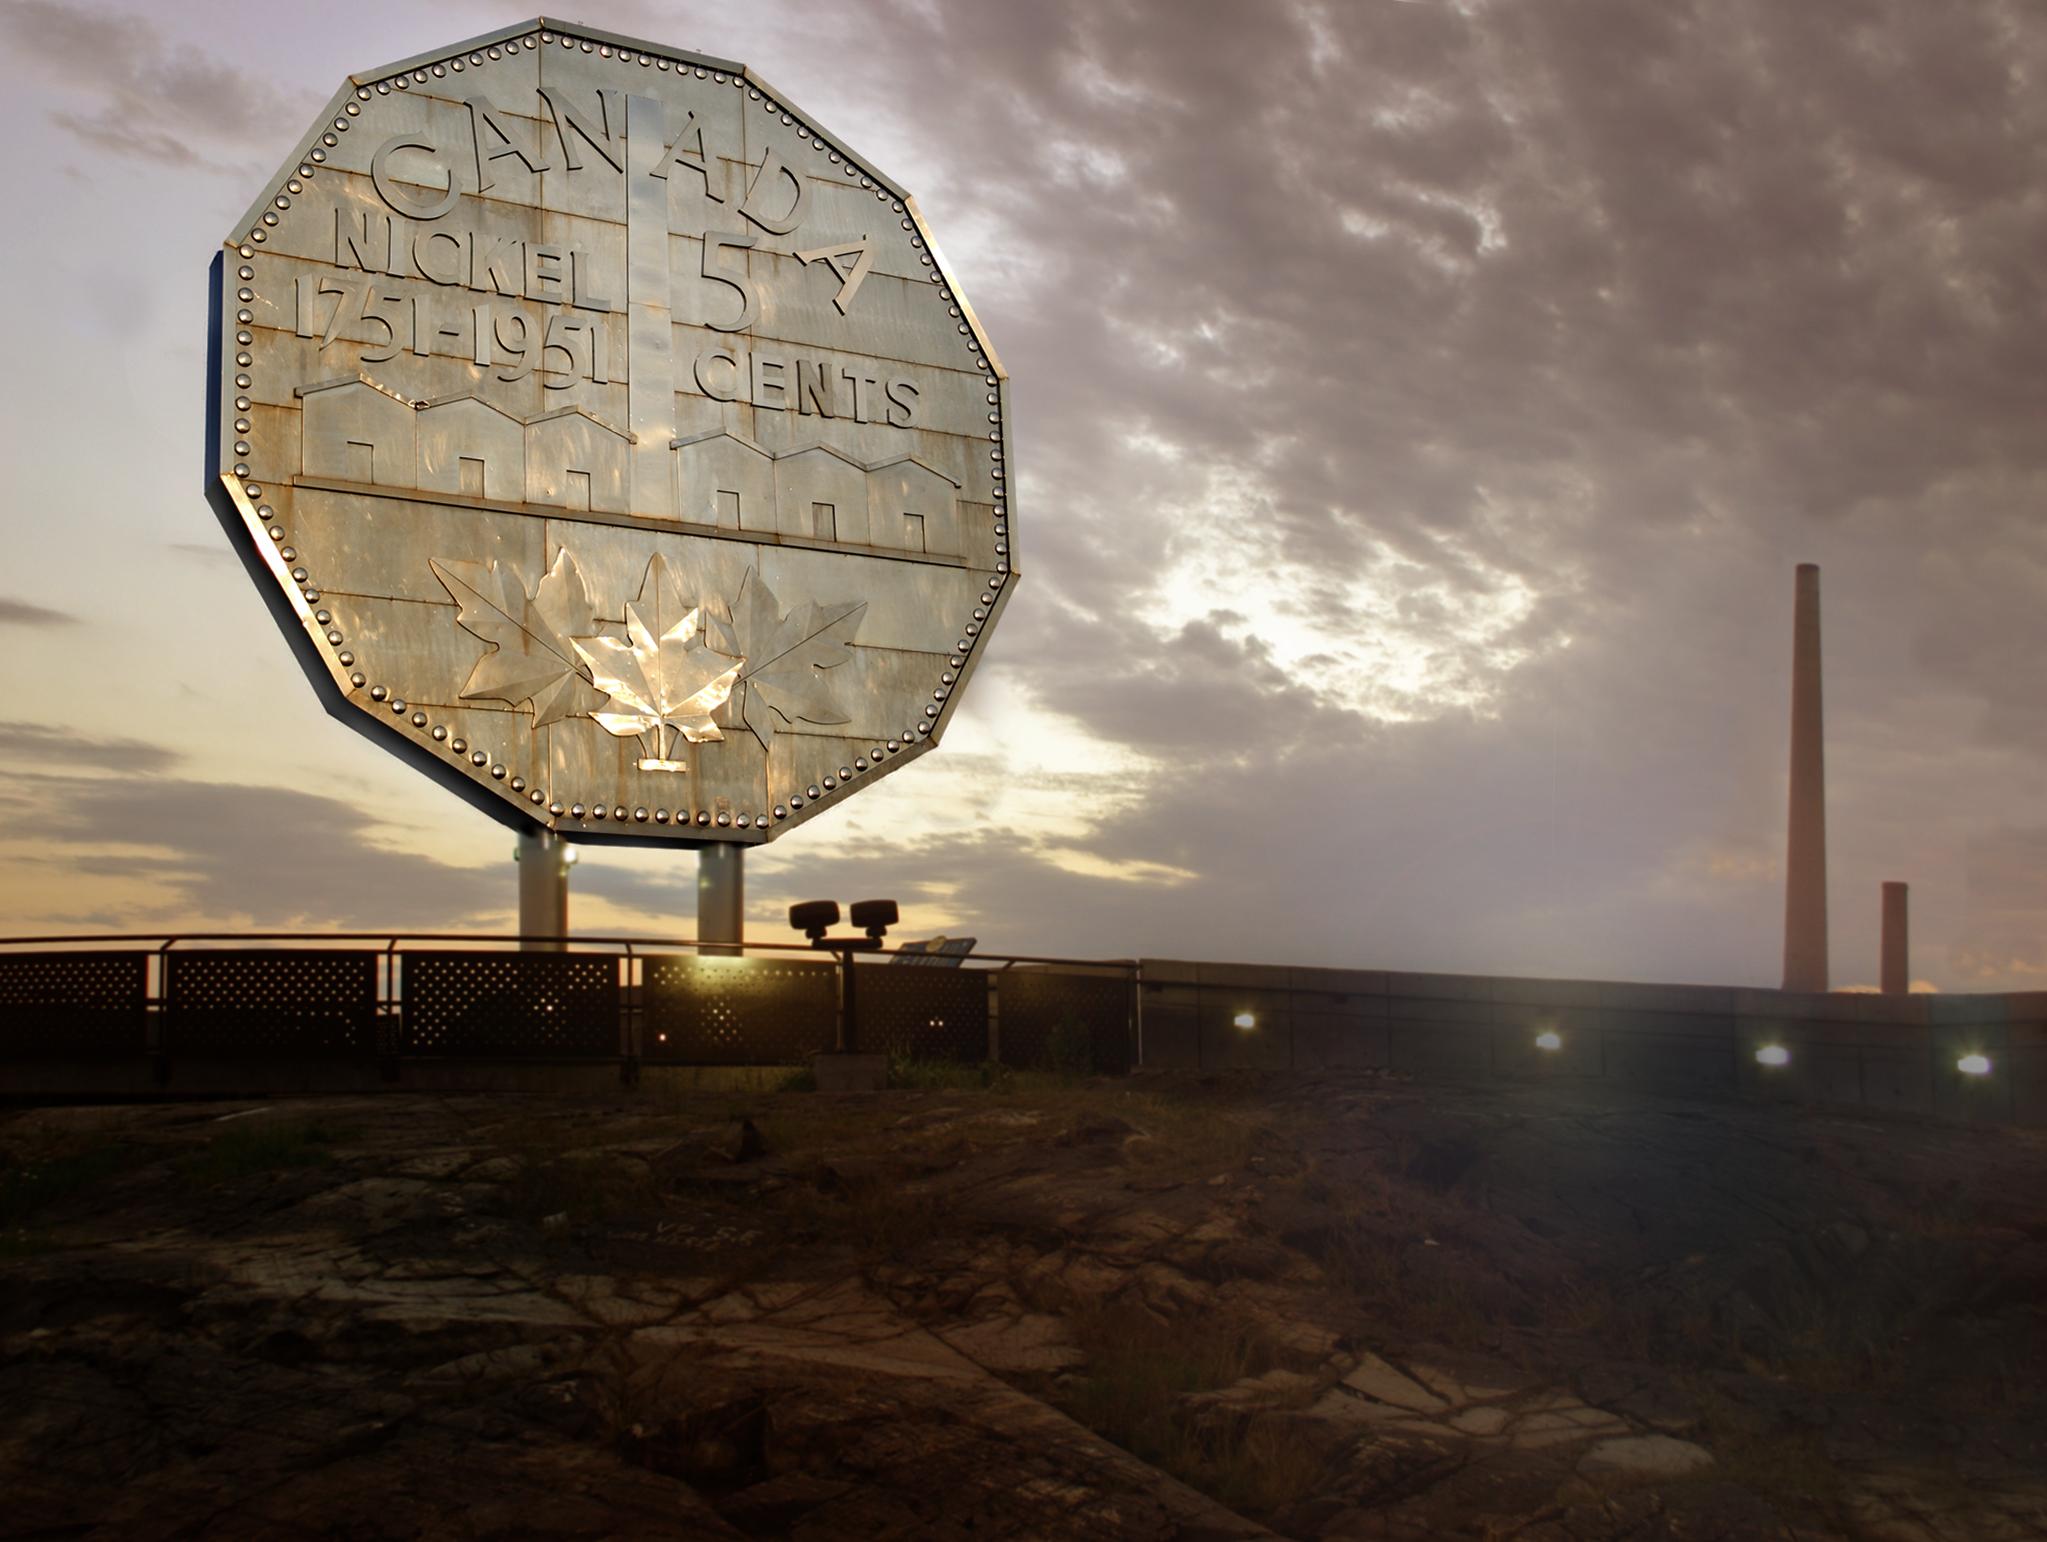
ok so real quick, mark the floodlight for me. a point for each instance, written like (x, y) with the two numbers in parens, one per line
(1973, 1065)
(1549, 1038)
(873, 917)
(1245, 1020)
(1773, 1054)
(814, 918)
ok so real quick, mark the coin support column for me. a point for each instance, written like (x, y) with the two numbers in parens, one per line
(1895, 962)
(721, 898)
(543, 859)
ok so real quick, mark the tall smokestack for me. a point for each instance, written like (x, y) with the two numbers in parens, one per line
(1805, 866)
(1897, 960)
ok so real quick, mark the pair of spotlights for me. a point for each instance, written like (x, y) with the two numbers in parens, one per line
(814, 918)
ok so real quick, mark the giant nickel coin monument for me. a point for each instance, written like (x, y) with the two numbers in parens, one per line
(610, 439)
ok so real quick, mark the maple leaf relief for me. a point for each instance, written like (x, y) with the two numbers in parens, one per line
(663, 677)
(681, 667)
(532, 658)
(783, 678)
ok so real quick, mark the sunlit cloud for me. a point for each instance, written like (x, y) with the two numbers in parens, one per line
(1090, 864)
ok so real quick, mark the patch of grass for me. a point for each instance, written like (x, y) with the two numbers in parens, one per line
(798, 1079)
(1259, 1467)
(1789, 1467)
(945, 1075)
(1070, 1049)
(872, 1214)
(1135, 1392)
(42, 1181)
(1844, 1359)
(249, 1147)
(1189, 1136)
(795, 1126)
(1201, 1131)
(584, 1186)
(1589, 1308)
(1446, 1297)
(23, 1243)
(1351, 1190)
(1028, 1083)
(879, 1217)
(1139, 1368)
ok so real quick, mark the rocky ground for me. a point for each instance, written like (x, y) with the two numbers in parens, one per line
(1150, 1308)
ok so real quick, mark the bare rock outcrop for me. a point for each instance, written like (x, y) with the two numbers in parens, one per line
(1199, 1308)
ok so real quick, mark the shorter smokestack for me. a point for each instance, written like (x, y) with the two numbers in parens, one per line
(1897, 962)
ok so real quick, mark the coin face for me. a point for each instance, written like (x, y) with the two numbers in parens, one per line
(610, 439)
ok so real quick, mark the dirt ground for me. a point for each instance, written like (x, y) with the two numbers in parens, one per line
(1152, 1307)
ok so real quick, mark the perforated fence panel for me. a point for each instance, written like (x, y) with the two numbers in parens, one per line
(737, 1011)
(65, 1005)
(926, 1014)
(1062, 1021)
(267, 1003)
(510, 1005)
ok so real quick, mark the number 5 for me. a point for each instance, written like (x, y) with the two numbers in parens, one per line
(716, 241)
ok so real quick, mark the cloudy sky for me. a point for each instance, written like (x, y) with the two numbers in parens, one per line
(1420, 408)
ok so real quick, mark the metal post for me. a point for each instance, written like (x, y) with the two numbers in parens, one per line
(721, 898)
(1137, 1008)
(994, 1045)
(543, 859)
(849, 997)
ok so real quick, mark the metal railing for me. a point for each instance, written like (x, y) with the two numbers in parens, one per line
(393, 997)
(386, 1000)
(1974, 1058)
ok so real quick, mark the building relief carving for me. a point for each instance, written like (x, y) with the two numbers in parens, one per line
(359, 430)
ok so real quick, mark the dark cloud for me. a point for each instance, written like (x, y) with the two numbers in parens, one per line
(262, 857)
(40, 744)
(150, 98)
(1708, 229)
(23, 613)
(249, 855)
(201, 551)
(2008, 871)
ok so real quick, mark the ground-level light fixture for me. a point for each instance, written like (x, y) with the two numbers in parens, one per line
(1550, 1039)
(1973, 1065)
(1773, 1054)
(1245, 1020)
